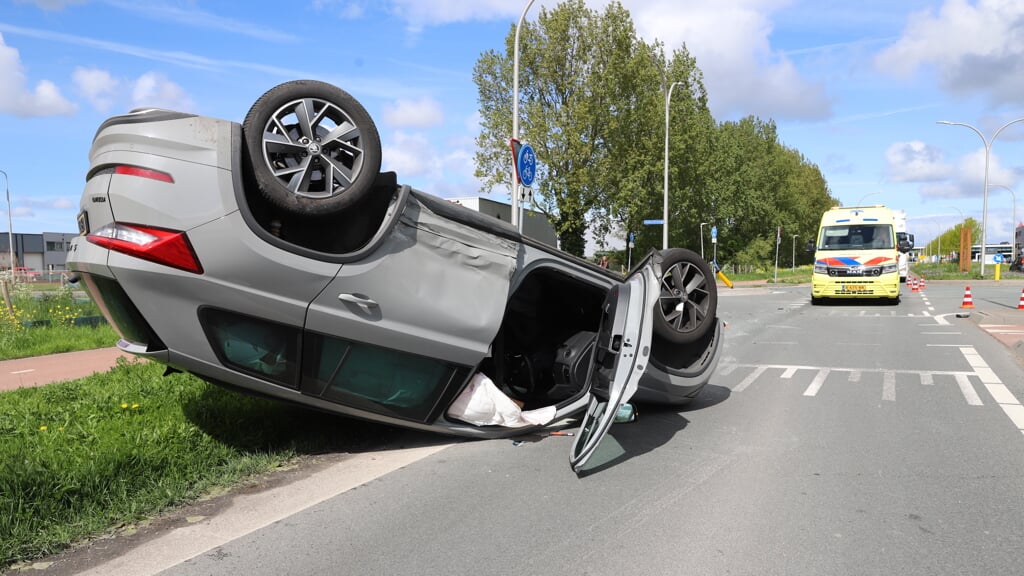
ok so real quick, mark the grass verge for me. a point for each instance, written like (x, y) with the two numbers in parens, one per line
(800, 275)
(45, 323)
(84, 457)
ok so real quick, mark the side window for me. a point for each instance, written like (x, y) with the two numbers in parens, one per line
(262, 348)
(378, 379)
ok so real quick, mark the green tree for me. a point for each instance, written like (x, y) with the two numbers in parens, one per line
(590, 97)
(592, 104)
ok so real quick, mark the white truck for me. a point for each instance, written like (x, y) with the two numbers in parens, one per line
(900, 227)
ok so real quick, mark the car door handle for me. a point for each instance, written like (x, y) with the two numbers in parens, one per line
(360, 300)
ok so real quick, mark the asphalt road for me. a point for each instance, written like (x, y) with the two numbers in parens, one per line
(841, 439)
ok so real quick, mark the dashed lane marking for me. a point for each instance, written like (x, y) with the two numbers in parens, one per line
(980, 369)
(817, 382)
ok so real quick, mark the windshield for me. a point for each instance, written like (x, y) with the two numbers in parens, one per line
(856, 237)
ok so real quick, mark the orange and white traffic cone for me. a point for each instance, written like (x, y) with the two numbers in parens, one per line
(1020, 305)
(913, 284)
(968, 301)
(922, 286)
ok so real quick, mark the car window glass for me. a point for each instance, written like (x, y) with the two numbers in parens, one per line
(374, 378)
(266, 349)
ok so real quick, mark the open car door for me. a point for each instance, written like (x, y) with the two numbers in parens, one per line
(619, 357)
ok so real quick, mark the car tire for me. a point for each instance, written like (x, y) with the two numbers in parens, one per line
(313, 148)
(688, 301)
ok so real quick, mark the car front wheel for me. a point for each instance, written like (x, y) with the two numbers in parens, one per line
(688, 302)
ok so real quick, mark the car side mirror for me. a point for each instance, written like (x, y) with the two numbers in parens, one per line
(905, 246)
(810, 246)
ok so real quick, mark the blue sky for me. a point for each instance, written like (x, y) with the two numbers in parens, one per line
(856, 87)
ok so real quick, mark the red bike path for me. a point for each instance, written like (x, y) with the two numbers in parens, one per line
(40, 370)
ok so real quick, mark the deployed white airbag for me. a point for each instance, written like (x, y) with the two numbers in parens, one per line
(483, 404)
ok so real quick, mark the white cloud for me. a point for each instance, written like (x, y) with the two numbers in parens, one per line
(422, 113)
(971, 169)
(52, 4)
(346, 9)
(975, 48)
(16, 98)
(730, 40)
(411, 156)
(419, 14)
(731, 43)
(153, 89)
(915, 162)
(190, 15)
(97, 86)
(967, 178)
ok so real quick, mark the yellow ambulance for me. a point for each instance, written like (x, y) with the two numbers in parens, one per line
(856, 255)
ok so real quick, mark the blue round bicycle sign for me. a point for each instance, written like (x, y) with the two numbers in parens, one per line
(526, 165)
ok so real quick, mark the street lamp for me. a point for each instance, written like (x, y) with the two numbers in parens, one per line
(961, 212)
(664, 223)
(861, 202)
(516, 220)
(10, 226)
(1013, 250)
(984, 202)
(794, 251)
(702, 225)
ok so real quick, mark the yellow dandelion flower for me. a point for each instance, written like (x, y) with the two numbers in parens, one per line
(134, 406)
(42, 427)
(124, 406)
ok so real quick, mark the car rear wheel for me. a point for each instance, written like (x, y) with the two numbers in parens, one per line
(688, 302)
(314, 150)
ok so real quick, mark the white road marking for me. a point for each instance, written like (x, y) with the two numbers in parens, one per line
(750, 379)
(980, 369)
(967, 390)
(817, 382)
(1001, 394)
(889, 386)
(24, 371)
(1016, 414)
(985, 373)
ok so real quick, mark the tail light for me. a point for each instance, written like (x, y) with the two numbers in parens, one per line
(129, 170)
(167, 247)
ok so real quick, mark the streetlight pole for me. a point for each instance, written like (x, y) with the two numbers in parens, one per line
(664, 223)
(10, 226)
(702, 225)
(1013, 228)
(516, 220)
(794, 251)
(861, 202)
(984, 202)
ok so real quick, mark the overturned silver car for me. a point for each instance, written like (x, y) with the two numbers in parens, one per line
(273, 257)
